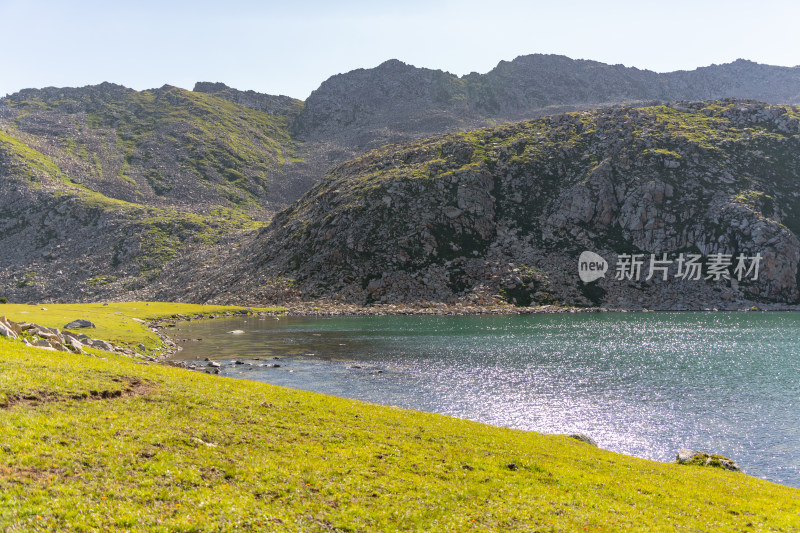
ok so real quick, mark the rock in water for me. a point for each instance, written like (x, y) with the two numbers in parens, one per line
(692, 457)
(80, 323)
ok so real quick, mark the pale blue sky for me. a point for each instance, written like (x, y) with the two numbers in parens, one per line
(291, 47)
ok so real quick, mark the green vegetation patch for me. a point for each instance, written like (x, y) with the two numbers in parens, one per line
(758, 201)
(33, 376)
(101, 280)
(28, 163)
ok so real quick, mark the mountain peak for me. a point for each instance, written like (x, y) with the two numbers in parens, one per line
(394, 63)
(281, 105)
(209, 87)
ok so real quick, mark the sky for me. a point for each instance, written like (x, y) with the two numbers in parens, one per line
(292, 47)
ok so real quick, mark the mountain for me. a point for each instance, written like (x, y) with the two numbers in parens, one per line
(505, 212)
(112, 193)
(104, 186)
(166, 146)
(395, 101)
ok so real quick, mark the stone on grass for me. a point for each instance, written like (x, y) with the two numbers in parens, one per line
(80, 323)
(6, 331)
(583, 437)
(693, 457)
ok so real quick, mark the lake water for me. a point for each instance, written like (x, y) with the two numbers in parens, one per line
(644, 384)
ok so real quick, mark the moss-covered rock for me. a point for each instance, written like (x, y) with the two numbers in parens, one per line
(692, 457)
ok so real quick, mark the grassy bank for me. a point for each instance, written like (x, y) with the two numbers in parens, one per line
(120, 323)
(104, 443)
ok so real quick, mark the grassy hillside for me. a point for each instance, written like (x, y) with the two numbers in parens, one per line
(167, 146)
(123, 182)
(100, 443)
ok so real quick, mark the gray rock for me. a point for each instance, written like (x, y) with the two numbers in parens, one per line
(687, 456)
(102, 345)
(10, 324)
(74, 345)
(42, 343)
(583, 437)
(80, 323)
(6, 331)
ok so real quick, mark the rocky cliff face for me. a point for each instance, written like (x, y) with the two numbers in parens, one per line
(504, 213)
(395, 101)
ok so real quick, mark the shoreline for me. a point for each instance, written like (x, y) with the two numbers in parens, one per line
(323, 309)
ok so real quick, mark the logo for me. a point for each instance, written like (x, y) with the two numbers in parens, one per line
(591, 267)
(632, 267)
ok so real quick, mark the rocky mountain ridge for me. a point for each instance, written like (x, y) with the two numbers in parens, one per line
(504, 213)
(111, 193)
(396, 101)
(165, 147)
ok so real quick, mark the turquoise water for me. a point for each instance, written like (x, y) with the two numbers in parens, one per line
(644, 384)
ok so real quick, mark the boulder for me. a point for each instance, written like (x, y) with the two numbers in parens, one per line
(80, 323)
(583, 437)
(73, 344)
(693, 457)
(101, 345)
(10, 324)
(7, 332)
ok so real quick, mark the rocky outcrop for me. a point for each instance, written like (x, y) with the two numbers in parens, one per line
(504, 213)
(43, 337)
(37, 336)
(274, 105)
(692, 457)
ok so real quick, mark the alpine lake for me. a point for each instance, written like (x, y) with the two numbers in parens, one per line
(643, 384)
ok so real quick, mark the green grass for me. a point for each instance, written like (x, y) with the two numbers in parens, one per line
(99, 444)
(26, 162)
(119, 323)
